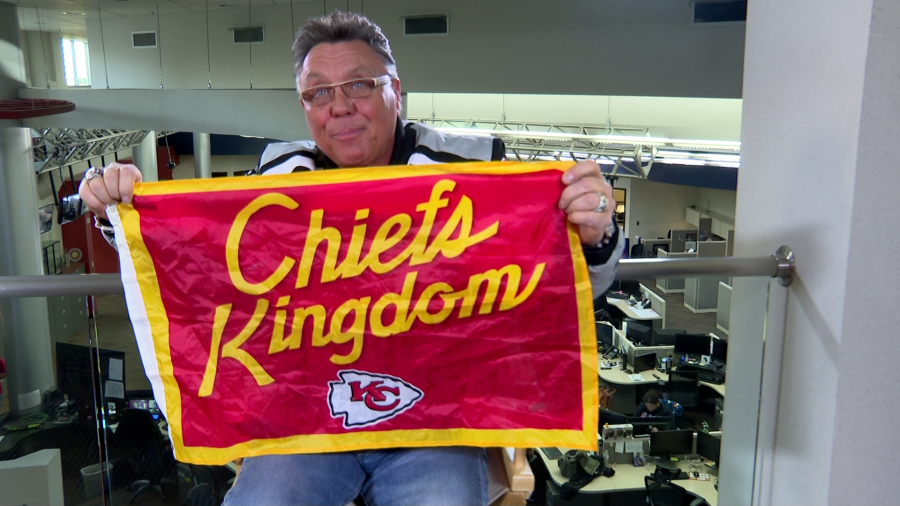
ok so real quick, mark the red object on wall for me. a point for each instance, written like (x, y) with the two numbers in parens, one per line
(99, 257)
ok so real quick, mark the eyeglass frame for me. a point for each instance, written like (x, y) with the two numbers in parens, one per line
(379, 81)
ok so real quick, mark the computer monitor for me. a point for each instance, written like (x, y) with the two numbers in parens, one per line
(645, 362)
(604, 333)
(692, 344)
(719, 349)
(643, 425)
(665, 337)
(145, 404)
(73, 371)
(75, 378)
(611, 417)
(671, 442)
(708, 446)
(638, 333)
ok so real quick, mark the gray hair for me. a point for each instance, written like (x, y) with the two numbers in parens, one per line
(341, 27)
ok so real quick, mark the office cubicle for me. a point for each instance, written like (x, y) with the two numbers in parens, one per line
(657, 304)
(701, 295)
(672, 285)
(680, 238)
(653, 246)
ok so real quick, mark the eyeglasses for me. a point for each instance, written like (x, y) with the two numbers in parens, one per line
(354, 88)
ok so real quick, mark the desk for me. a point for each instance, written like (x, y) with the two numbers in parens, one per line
(627, 399)
(630, 478)
(618, 377)
(625, 307)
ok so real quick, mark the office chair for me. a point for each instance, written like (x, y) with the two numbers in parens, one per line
(666, 493)
(139, 440)
(683, 388)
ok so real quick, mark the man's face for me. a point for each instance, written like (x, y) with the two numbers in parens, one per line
(651, 407)
(352, 132)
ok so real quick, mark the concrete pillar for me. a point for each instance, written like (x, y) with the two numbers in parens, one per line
(821, 115)
(144, 155)
(24, 323)
(202, 156)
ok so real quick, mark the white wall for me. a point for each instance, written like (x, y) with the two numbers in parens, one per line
(275, 114)
(237, 165)
(718, 201)
(821, 111)
(606, 47)
(657, 208)
(42, 60)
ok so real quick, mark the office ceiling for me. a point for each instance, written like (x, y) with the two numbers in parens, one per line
(71, 15)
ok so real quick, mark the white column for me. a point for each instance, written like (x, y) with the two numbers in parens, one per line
(25, 327)
(202, 156)
(821, 114)
(144, 155)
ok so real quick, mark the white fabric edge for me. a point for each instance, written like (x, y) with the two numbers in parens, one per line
(137, 311)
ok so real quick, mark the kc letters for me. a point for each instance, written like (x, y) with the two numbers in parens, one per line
(363, 308)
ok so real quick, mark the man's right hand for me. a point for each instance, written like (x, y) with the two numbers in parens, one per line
(114, 186)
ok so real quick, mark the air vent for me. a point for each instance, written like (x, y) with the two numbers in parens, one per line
(249, 35)
(718, 12)
(431, 24)
(143, 40)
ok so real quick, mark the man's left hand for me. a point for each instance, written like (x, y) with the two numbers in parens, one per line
(581, 200)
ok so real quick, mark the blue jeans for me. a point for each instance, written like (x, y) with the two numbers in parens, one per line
(454, 476)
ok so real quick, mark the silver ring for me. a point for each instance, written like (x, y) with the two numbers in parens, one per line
(92, 173)
(603, 203)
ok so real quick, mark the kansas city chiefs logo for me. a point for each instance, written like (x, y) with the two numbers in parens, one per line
(365, 398)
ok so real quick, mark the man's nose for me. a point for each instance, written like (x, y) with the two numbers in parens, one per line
(340, 104)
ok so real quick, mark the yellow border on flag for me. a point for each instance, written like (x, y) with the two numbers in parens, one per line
(317, 443)
(341, 176)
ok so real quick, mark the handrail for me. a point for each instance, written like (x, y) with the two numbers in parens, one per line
(780, 265)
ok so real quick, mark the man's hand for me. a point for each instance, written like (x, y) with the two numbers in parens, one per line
(110, 185)
(581, 200)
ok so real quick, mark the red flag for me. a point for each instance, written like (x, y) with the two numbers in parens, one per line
(366, 308)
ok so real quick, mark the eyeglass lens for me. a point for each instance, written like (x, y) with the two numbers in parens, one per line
(360, 88)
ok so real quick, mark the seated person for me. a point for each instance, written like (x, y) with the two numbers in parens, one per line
(652, 407)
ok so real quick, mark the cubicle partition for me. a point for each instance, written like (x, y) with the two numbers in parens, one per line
(653, 246)
(657, 304)
(701, 294)
(723, 313)
(672, 285)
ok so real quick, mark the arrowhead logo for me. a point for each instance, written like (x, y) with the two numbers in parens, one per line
(365, 398)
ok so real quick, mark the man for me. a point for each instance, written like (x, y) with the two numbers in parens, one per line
(654, 406)
(350, 91)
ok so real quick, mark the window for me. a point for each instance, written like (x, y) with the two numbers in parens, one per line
(249, 35)
(75, 62)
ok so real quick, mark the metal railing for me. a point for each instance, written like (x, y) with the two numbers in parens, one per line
(780, 266)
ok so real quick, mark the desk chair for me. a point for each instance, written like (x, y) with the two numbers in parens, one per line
(684, 389)
(666, 493)
(139, 440)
